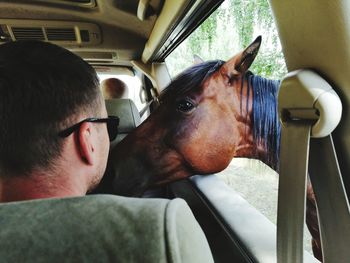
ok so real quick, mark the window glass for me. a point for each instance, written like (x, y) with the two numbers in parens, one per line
(134, 86)
(231, 28)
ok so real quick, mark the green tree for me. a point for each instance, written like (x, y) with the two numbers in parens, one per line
(228, 30)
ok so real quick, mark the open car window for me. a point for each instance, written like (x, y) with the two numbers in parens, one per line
(228, 30)
(225, 32)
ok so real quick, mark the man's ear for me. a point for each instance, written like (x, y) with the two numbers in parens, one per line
(86, 143)
(241, 62)
(248, 56)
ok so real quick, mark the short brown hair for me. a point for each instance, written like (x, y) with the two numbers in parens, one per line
(114, 88)
(42, 87)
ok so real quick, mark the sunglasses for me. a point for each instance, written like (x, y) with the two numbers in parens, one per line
(112, 126)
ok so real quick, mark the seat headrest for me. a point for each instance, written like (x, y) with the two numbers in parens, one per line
(128, 114)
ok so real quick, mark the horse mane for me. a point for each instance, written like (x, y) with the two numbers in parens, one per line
(190, 79)
(266, 125)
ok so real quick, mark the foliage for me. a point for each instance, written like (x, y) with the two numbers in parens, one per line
(232, 27)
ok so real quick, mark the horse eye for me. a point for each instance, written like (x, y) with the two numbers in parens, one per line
(184, 106)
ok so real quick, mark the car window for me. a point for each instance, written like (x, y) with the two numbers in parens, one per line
(134, 87)
(231, 28)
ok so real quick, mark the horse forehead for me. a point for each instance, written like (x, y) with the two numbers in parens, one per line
(214, 85)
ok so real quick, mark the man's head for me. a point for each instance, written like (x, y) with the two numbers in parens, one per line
(114, 88)
(43, 90)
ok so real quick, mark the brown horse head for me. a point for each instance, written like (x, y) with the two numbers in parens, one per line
(204, 120)
(207, 125)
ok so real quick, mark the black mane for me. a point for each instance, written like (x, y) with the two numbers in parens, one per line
(190, 79)
(266, 125)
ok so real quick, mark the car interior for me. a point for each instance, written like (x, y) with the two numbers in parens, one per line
(134, 38)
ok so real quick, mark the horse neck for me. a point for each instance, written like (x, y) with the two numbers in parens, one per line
(263, 129)
(142, 160)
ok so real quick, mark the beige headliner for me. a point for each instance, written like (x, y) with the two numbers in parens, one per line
(122, 31)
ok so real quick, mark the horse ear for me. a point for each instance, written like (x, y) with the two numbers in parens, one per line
(197, 59)
(248, 55)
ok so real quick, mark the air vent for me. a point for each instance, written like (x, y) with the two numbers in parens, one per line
(28, 33)
(60, 34)
(97, 57)
(66, 33)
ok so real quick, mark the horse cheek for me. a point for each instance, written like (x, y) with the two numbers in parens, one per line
(224, 148)
(187, 140)
(206, 149)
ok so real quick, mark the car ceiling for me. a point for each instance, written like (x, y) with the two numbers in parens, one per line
(125, 30)
(122, 31)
